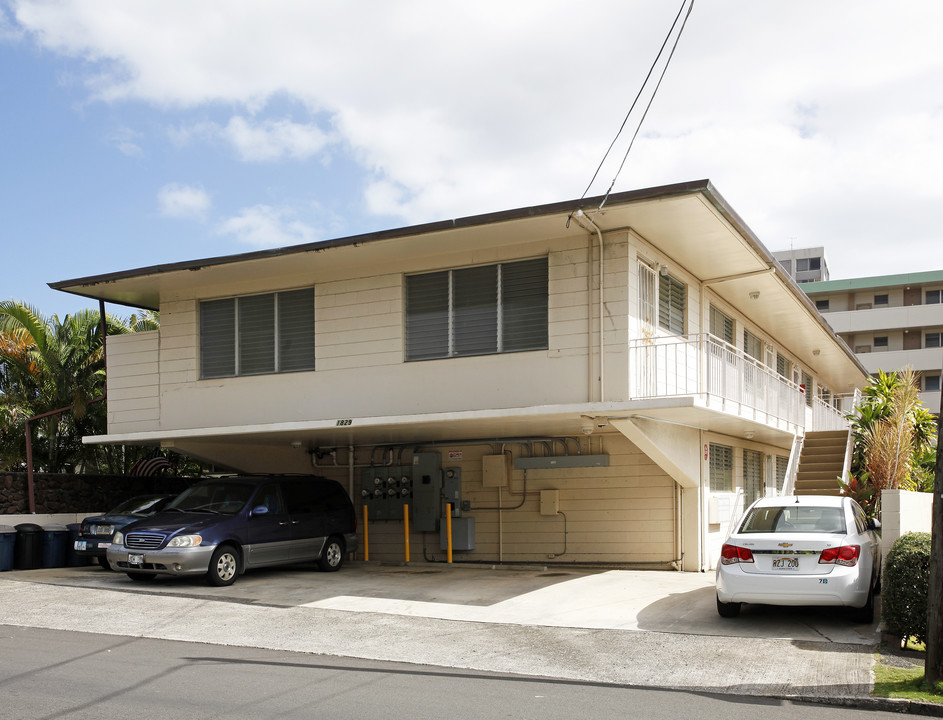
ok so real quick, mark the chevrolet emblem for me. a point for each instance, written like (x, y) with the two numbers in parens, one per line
(784, 545)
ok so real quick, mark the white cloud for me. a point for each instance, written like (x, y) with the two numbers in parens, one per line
(125, 140)
(264, 226)
(183, 201)
(274, 139)
(452, 109)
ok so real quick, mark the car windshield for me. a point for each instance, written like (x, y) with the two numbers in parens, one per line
(223, 497)
(794, 519)
(140, 505)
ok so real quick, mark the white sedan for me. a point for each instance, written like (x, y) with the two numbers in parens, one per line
(801, 550)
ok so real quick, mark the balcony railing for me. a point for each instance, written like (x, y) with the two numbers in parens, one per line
(721, 373)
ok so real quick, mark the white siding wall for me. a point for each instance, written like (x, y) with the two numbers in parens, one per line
(133, 382)
(360, 369)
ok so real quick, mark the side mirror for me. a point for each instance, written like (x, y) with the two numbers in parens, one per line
(874, 524)
(259, 510)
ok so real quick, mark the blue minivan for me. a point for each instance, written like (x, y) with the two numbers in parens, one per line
(223, 526)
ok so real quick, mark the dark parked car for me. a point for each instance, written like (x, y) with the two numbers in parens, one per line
(224, 526)
(96, 532)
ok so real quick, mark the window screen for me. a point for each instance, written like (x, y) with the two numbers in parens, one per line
(721, 468)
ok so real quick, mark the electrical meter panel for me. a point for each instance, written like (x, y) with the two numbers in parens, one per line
(452, 490)
(384, 489)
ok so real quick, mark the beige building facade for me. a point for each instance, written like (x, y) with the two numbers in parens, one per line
(581, 385)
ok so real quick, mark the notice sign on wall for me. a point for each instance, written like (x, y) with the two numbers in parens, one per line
(455, 455)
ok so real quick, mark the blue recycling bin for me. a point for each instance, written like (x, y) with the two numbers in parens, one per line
(55, 539)
(7, 544)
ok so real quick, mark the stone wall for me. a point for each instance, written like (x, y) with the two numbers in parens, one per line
(78, 493)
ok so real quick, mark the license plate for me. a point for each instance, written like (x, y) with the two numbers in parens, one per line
(135, 559)
(80, 545)
(786, 563)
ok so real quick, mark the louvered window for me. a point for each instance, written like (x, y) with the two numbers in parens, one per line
(721, 326)
(721, 468)
(671, 304)
(257, 334)
(477, 311)
(752, 345)
(782, 464)
(752, 476)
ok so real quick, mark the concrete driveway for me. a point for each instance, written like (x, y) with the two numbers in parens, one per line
(553, 596)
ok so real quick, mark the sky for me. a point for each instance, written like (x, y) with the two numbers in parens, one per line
(157, 131)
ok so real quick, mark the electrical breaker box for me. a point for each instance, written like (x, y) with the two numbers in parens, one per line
(426, 503)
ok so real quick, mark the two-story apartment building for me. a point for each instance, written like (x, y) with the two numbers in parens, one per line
(891, 322)
(586, 386)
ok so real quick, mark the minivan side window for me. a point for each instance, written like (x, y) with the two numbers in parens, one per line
(304, 497)
(269, 496)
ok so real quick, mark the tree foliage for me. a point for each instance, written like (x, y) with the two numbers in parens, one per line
(49, 364)
(893, 435)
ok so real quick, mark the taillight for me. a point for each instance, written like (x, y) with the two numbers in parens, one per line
(731, 554)
(846, 555)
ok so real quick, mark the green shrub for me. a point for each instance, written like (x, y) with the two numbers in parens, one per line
(905, 586)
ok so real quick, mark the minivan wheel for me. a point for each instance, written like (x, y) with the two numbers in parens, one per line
(224, 566)
(728, 610)
(333, 556)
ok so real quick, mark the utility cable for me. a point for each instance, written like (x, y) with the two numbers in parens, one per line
(638, 96)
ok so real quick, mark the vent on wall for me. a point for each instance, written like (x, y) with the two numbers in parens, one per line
(561, 461)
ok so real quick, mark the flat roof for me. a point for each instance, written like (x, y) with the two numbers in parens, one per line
(875, 281)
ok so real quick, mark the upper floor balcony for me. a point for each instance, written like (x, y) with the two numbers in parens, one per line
(885, 318)
(725, 378)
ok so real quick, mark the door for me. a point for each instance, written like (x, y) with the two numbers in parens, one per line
(270, 530)
(308, 513)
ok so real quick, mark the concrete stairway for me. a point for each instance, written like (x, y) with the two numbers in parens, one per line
(821, 463)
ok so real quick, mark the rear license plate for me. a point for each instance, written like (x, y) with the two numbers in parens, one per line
(135, 559)
(786, 563)
(80, 545)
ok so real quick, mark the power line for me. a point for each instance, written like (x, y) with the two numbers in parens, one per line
(690, 4)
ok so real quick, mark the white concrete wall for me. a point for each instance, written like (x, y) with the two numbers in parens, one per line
(902, 512)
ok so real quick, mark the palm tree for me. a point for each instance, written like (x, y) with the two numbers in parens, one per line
(47, 364)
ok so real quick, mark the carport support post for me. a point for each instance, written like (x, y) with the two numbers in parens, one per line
(406, 526)
(366, 535)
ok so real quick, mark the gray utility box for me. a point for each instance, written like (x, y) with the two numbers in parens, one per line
(463, 534)
(425, 508)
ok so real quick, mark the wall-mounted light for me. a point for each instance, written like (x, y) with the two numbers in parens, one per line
(748, 434)
(295, 444)
(754, 294)
(816, 352)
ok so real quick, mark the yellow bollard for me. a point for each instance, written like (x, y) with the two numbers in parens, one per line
(366, 536)
(448, 531)
(406, 525)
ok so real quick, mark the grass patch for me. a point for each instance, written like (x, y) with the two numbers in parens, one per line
(904, 683)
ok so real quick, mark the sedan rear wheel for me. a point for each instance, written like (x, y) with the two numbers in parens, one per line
(865, 614)
(728, 610)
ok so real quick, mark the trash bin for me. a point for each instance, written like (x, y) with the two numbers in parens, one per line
(28, 550)
(7, 542)
(55, 538)
(73, 559)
